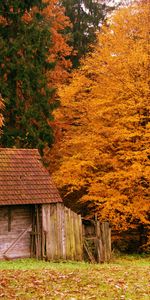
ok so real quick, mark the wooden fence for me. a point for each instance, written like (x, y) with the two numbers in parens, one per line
(97, 241)
(61, 233)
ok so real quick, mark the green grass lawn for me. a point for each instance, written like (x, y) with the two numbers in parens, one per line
(126, 277)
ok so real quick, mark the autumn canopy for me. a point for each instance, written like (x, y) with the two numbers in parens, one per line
(104, 157)
(94, 131)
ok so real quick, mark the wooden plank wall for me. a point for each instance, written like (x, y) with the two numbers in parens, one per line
(98, 236)
(15, 227)
(36, 233)
(62, 233)
(103, 231)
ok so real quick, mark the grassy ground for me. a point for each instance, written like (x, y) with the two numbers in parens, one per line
(124, 278)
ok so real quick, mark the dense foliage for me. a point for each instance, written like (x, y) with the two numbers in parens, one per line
(102, 129)
(59, 50)
(27, 57)
(105, 118)
(86, 17)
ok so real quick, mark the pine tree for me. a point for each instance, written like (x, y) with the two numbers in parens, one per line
(24, 50)
(86, 17)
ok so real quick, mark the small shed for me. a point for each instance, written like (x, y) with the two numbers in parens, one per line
(33, 219)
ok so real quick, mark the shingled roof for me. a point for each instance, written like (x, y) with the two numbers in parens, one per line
(24, 179)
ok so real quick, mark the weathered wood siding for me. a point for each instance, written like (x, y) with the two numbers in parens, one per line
(62, 233)
(15, 227)
(97, 240)
(49, 231)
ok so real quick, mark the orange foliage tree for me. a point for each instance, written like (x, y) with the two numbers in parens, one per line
(104, 151)
(59, 50)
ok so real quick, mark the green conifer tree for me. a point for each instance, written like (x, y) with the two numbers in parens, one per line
(86, 17)
(24, 49)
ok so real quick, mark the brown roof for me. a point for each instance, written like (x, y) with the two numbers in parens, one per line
(24, 179)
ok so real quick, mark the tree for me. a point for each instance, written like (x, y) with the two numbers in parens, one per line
(86, 17)
(59, 50)
(27, 45)
(104, 153)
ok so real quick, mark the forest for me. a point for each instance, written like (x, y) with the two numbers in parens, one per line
(75, 84)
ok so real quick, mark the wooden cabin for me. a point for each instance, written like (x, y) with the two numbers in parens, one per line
(33, 219)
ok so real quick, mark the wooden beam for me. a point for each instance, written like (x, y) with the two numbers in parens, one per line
(89, 253)
(9, 218)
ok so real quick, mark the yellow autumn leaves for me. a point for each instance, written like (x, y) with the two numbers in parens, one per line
(105, 150)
